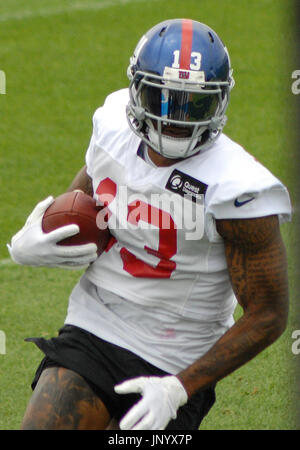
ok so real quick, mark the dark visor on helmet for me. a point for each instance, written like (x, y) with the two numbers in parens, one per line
(179, 105)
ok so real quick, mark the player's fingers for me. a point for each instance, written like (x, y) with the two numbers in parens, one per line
(77, 251)
(75, 262)
(62, 233)
(135, 414)
(79, 261)
(128, 386)
(71, 267)
(146, 423)
(40, 209)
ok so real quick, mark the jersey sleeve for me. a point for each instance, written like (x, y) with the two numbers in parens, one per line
(89, 156)
(248, 204)
(104, 118)
(251, 191)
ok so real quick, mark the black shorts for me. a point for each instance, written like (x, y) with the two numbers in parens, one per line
(103, 365)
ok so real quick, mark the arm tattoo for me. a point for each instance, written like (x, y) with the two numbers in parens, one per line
(257, 268)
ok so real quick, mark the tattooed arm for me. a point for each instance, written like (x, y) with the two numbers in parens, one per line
(258, 270)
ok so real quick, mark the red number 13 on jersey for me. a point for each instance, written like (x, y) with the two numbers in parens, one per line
(141, 211)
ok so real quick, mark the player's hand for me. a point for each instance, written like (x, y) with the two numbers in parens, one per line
(161, 398)
(31, 246)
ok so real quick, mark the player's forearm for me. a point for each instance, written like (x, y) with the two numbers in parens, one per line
(249, 336)
(83, 182)
(258, 271)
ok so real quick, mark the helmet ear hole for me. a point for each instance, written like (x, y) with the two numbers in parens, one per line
(212, 40)
(162, 32)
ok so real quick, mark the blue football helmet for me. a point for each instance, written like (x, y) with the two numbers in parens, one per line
(180, 79)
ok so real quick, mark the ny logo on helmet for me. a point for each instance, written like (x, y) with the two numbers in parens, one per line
(184, 75)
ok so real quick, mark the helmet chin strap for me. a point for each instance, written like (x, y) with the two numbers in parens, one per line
(168, 146)
(173, 147)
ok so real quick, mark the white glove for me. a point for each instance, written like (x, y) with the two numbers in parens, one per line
(31, 246)
(162, 396)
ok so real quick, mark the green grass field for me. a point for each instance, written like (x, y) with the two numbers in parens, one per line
(61, 58)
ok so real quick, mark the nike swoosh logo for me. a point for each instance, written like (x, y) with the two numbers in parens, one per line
(238, 204)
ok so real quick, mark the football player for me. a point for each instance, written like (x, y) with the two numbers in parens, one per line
(195, 221)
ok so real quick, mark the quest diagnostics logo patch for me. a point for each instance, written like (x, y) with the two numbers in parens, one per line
(185, 185)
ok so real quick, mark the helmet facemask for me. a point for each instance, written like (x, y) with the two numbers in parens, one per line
(195, 108)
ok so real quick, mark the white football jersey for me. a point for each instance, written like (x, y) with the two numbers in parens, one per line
(162, 289)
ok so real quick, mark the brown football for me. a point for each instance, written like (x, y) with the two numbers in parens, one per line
(77, 208)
